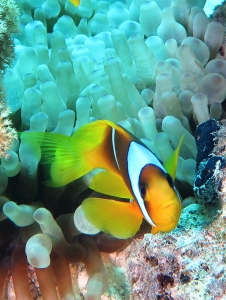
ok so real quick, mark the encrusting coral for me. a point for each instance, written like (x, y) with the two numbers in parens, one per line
(152, 68)
(7, 133)
(187, 263)
(9, 24)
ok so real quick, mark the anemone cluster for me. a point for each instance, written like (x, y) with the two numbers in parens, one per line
(149, 66)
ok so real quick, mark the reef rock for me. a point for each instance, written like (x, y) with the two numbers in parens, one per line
(187, 263)
(209, 181)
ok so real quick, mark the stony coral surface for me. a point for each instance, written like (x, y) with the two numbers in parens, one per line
(187, 263)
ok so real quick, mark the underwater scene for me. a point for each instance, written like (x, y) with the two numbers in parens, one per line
(112, 150)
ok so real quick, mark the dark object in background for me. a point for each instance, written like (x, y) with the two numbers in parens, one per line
(210, 177)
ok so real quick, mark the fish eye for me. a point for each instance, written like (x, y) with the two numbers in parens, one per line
(142, 190)
(170, 180)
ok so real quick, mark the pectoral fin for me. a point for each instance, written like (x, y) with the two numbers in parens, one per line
(111, 184)
(119, 219)
(171, 164)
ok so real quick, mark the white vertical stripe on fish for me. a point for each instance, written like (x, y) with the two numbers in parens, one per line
(138, 158)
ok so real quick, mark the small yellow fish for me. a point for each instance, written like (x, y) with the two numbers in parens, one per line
(131, 171)
(75, 2)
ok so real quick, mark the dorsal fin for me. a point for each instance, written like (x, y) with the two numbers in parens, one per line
(171, 164)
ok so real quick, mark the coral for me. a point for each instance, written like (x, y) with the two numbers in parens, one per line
(219, 16)
(209, 180)
(7, 133)
(188, 263)
(9, 24)
(103, 60)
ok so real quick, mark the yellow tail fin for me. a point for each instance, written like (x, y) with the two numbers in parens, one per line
(68, 158)
(57, 155)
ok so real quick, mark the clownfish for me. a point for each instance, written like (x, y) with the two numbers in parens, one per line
(75, 2)
(129, 170)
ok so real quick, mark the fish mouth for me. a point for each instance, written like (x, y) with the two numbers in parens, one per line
(169, 205)
(173, 202)
(174, 216)
(172, 224)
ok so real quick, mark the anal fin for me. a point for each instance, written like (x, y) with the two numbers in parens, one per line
(119, 219)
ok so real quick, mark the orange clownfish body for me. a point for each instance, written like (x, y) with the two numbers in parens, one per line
(130, 171)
